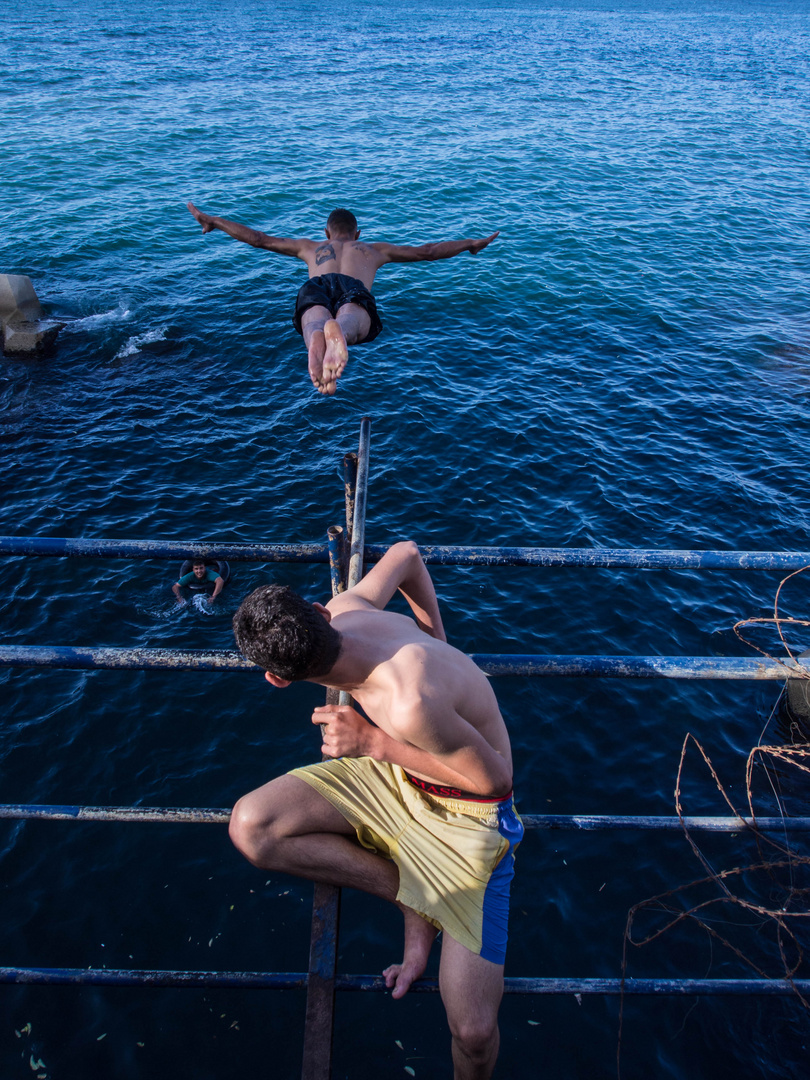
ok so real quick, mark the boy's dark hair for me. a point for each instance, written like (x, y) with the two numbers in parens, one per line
(283, 633)
(342, 221)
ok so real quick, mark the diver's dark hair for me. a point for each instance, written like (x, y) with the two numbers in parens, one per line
(342, 221)
(283, 633)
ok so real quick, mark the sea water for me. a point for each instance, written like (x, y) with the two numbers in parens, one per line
(627, 365)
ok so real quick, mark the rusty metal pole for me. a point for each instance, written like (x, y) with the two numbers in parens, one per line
(350, 485)
(358, 537)
(337, 561)
(317, 1056)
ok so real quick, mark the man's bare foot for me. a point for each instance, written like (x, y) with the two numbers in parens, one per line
(315, 353)
(204, 219)
(336, 356)
(419, 937)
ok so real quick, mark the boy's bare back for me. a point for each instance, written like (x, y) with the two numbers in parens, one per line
(420, 692)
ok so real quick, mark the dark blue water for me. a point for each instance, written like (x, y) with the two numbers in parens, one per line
(627, 365)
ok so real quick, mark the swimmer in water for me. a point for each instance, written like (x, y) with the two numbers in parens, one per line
(200, 574)
(335, 308)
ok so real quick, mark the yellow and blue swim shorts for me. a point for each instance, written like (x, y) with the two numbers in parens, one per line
(454, 850)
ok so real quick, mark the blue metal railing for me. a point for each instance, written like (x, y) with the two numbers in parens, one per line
(433, 554)
(290, 980)
(346, 552)
(212, 815)
(495, 664)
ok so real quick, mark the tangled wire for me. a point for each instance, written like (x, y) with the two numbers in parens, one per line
(768, 891)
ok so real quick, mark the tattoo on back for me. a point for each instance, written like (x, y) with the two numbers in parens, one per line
(324, 253)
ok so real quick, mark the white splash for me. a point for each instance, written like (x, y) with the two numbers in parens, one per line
(103, 318)
(136, 343)
(200, 602)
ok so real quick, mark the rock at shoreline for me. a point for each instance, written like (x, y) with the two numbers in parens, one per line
(26, 331)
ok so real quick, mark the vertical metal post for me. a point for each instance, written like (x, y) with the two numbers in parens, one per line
(323, 940)
(317, 1058)
(358, 537)
(337, 561)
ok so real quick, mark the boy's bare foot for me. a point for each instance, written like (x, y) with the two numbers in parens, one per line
(335, 357)
(315, 353)
(419, 937)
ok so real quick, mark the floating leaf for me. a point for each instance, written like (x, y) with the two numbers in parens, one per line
(399, 1044)
(579, 998)
(534, 1023)
(26, 1030)
(141, 1044)
(104, 1036)
(36, 1063)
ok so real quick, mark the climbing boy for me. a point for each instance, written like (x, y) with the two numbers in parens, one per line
(415, 806)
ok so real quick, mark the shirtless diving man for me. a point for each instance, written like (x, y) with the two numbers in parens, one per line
(415, 807)
(335, 307)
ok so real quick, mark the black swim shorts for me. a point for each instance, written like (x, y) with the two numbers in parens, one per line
(332, 291)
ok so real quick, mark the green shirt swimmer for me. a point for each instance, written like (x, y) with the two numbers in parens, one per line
(200, 574)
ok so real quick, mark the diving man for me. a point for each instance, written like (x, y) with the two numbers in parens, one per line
(335, 308)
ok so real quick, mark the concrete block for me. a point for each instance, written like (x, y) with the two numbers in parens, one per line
(17, 294)
(25, 330)
(798, 695)
(24, 338)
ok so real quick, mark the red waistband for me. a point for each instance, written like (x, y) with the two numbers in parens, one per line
(442, 791)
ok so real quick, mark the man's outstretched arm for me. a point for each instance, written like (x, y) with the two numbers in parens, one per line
(282, 245)
(443, 249)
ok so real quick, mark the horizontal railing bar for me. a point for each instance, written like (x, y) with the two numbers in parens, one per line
(612, 987)
(642, 667)
(638, 558)
(495, 664)
(580, 822)
(67, 656)
(279, 980)
(61, 547)
(167, 814)
(433, 554)
(429, 984)
(598, 822)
